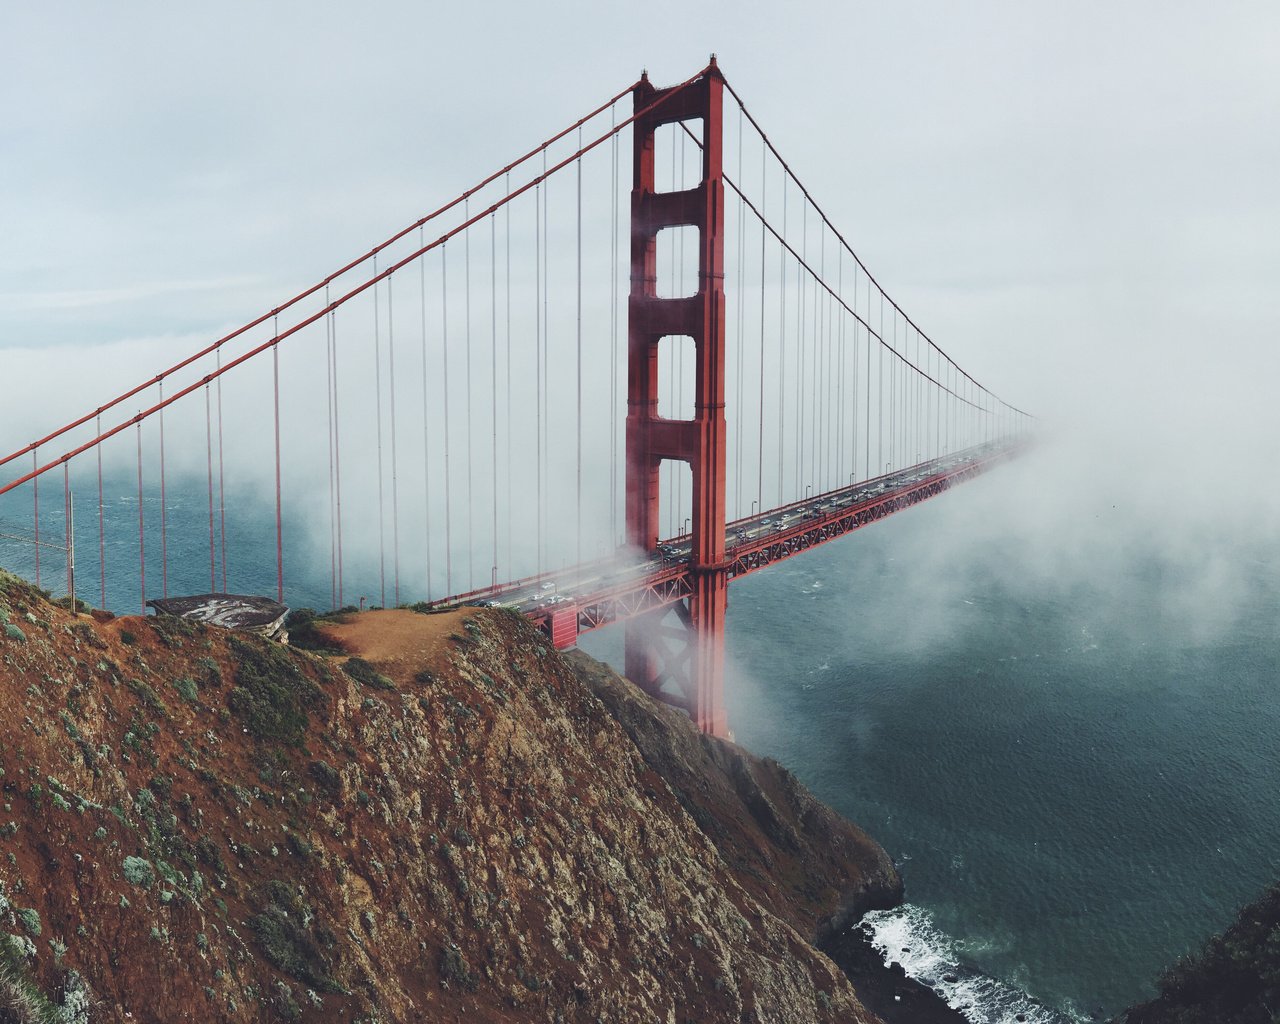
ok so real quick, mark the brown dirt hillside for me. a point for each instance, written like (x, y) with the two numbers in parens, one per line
(458, 824)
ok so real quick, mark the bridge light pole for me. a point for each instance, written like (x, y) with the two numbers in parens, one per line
(754, 503)
(808, 488)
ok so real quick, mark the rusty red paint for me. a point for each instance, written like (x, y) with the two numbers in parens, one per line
(697, 672)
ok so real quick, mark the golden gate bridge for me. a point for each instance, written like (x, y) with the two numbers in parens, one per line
(590, 402)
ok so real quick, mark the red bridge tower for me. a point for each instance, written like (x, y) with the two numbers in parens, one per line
(690, 671)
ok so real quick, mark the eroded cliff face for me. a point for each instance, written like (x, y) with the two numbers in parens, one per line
(460, 823)
(1234, 979)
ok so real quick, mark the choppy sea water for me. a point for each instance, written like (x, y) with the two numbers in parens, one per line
(1066, 733)
(1070, 754)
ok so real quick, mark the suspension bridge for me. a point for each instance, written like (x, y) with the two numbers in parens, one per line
(589, 400)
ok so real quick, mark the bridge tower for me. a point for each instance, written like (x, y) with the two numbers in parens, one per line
(682, 664)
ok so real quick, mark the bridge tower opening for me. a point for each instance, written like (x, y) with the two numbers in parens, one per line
(682, 664)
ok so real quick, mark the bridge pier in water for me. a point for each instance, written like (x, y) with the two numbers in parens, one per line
(695, 668)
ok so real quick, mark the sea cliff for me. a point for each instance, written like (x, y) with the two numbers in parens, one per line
(439, 819)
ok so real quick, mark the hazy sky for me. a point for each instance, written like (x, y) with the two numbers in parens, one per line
(1080, 201)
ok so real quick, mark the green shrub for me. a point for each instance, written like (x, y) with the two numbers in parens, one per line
(455, 969)
(285, 941)
(301, 624)
(138, 871)
(20, 997)
(148, 696)
(271, 695)
(187, 689)
(363, 672)
(327, 776)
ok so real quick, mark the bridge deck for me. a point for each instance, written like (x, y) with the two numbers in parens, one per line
(583, 597)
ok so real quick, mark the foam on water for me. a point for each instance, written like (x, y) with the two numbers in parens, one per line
(908, 936)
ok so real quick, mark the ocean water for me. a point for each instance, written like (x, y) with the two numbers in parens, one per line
(1066, 731)
(1068, 738)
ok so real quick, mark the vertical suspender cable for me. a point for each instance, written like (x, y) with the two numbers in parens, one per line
(739, 420)
(893, 396)
(377, 389)
(222, 479)
(395, 458)
(35, 464)
(821, 366)
(813, 419)
(838, 361)
(613, 345)
(760, 433)
(466, 292)
(164, 511)
(911, 411)
(819, 354)
(937, 397)
(275, 370)
(493, 378)
(328, 394)
(855, 395)
(102, 519)
(782, 340)
(546, 347)
(903, 420)
(578, 529)
(949, 440)
(866, 431)
(70, 539)
(142, 538)
(444, 349)
(921, 420)
(426, 428)
(507, 296)
(537, 369)
(208, 435)
(838, 409)
(817, 408)
(904, 402)
(800, 370)
(909, 379)
(337, 445)
(826, 381)
(880, 400)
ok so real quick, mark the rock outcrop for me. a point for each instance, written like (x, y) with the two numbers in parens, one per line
(1235, 979)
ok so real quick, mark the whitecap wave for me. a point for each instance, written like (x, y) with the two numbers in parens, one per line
(908, 936)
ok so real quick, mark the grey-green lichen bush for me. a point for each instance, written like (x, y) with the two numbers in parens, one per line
(139, 872)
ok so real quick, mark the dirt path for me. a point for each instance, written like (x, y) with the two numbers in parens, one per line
(399, 642)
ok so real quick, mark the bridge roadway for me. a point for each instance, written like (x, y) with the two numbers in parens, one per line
(573, 600)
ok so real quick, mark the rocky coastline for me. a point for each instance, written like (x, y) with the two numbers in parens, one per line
(440, 819)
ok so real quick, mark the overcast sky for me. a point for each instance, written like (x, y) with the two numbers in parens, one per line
(1080, 201)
